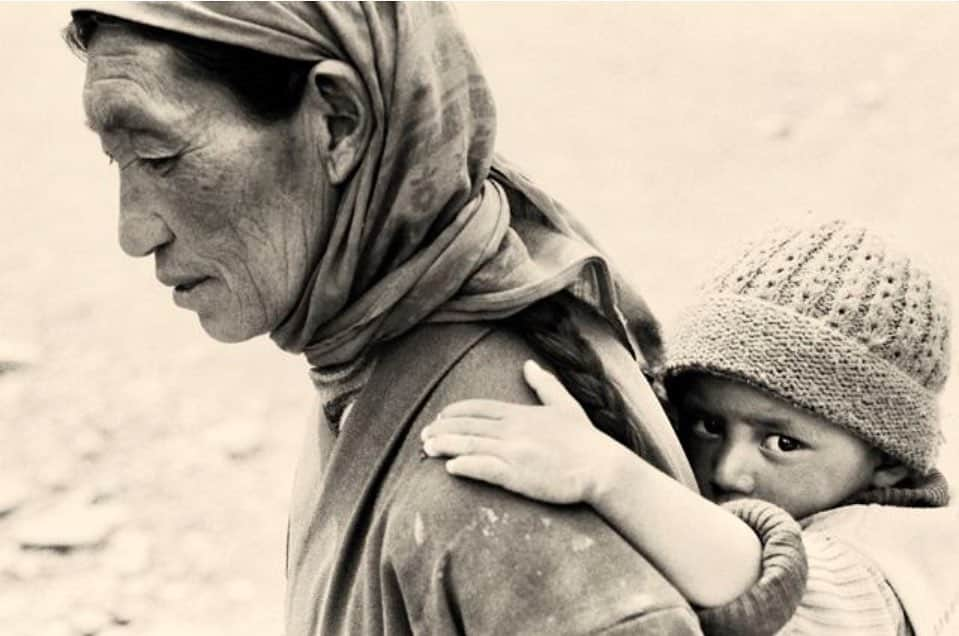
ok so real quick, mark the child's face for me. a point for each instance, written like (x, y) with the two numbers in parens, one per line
(743, 442)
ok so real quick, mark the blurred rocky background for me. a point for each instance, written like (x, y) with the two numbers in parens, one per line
(145, 469)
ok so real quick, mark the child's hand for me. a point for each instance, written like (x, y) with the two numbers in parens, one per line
(551, 453)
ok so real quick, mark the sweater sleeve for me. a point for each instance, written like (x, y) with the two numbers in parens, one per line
(845, 593)
(770, 602)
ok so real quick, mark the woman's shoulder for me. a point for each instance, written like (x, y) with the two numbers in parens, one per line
(481, 541)
(453, 540)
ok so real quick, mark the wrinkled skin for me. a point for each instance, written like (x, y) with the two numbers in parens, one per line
(233, 209)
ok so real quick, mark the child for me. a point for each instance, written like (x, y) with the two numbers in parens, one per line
(807, 377)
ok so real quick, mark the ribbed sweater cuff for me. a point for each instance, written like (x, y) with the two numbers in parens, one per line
(929, 491)
(768, 605)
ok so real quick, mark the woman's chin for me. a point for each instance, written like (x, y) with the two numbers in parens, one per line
(228, 329)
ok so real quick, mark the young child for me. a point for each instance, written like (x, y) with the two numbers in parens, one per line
(807, 377)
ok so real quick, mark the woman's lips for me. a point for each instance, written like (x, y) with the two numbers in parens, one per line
(190, 295)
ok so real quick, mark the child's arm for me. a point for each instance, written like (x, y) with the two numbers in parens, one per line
(554, 454)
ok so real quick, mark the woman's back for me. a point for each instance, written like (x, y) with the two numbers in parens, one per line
(395, 544)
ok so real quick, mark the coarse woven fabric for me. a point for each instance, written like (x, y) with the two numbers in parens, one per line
(831, 320)
(383, 541)
(430, 226)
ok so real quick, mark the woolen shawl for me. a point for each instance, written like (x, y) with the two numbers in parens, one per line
(430, 226)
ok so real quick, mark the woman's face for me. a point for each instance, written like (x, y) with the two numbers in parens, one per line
(743, 442)
(232, 209)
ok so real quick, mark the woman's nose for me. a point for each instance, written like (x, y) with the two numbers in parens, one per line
(141, 233)
(733, 472)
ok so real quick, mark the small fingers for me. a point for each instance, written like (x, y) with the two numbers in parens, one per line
(487, 409)
(492, 470)
(447, 445)
(547, 387)
(477, 426)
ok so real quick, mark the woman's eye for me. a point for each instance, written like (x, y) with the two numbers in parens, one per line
(709, 427)
(782, 443)
(158, 164)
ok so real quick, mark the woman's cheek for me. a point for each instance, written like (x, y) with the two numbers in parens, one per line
(210, 189)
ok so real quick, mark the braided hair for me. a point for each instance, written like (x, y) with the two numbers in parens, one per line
(549, 328)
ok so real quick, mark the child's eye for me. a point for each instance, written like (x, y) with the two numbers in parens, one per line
(707, 427)
(782, 443)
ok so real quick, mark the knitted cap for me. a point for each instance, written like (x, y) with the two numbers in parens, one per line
(829, 319)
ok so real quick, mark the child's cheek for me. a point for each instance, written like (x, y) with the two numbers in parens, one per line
(701, 460)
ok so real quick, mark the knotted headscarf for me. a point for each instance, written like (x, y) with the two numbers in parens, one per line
(430, 226)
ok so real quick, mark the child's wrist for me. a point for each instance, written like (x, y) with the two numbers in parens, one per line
(612, 471)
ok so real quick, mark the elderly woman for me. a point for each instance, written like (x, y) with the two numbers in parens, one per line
(324, 173)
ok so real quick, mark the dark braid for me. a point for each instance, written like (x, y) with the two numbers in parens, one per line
(549, 328)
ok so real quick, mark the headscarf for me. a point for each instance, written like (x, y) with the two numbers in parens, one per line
(430, 226)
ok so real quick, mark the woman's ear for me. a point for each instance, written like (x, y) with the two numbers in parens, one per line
(889, 472)
(339, 97)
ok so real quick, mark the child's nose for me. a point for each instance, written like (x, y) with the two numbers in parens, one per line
(733, 473)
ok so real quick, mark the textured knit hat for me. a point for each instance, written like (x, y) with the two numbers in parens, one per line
(830, 320)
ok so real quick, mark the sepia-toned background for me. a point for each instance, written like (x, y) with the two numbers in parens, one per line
(160, 462)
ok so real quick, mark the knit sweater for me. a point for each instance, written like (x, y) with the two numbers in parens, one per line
(884, 564)
(845, 592)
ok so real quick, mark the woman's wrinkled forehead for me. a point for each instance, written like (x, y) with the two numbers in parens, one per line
(417, 49)
(306, 31)
(134, 84)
